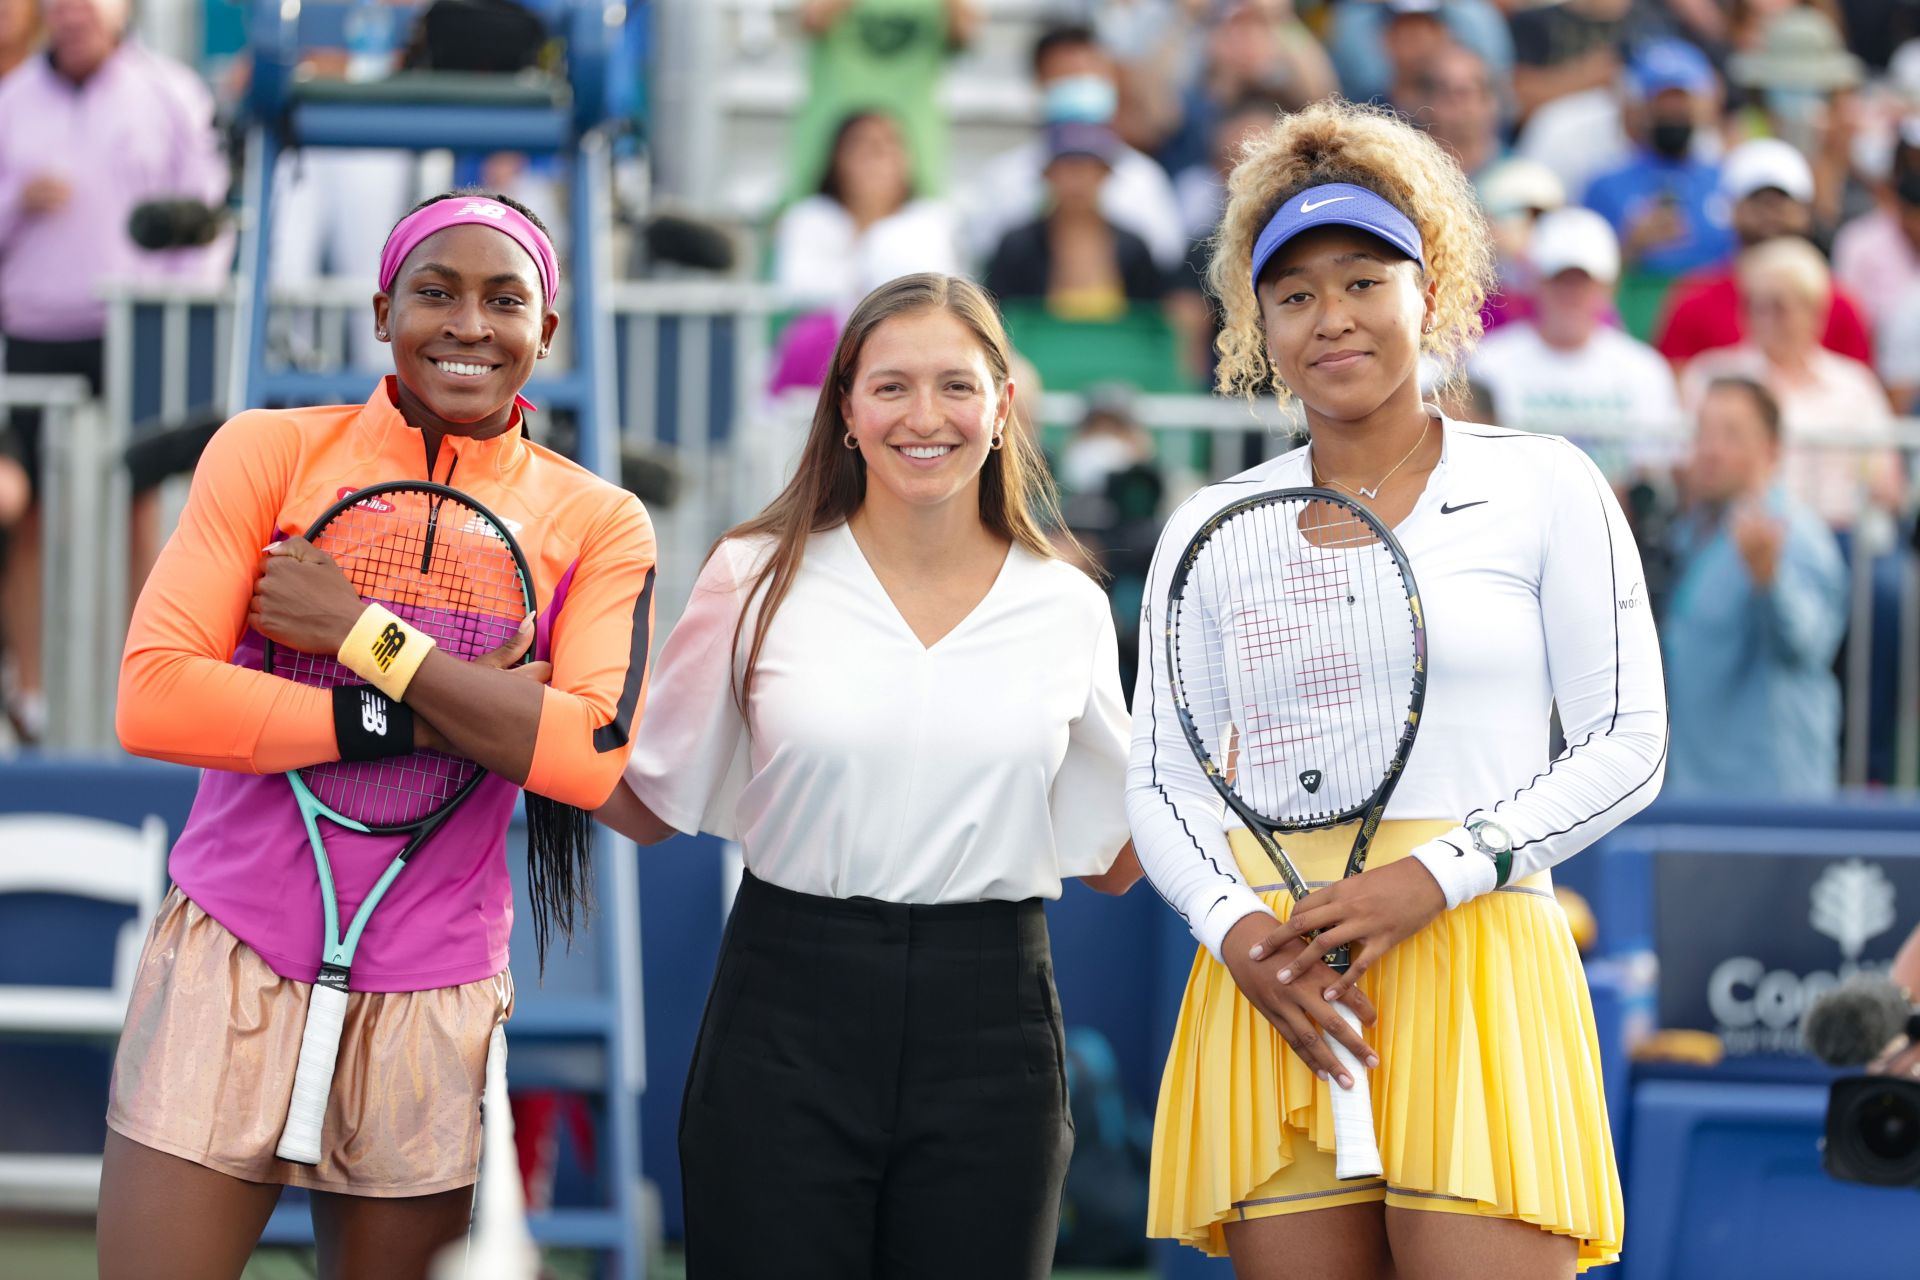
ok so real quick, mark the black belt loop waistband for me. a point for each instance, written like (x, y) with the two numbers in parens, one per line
(769, 905)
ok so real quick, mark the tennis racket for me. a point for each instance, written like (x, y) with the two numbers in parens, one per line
(1297, 656)
(447, 566)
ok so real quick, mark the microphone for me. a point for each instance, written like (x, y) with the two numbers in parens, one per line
(1851, 1024)
(175, 224)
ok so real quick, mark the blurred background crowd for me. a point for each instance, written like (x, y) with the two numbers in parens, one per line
(1707, 213)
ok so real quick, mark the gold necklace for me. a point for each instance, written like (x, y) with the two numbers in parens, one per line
(1360, 491)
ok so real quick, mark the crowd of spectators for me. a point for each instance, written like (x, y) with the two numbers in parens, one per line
(1707, 214)
(1708, 220)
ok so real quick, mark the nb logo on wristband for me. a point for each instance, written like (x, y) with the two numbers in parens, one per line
(373, 713)
(388, 645)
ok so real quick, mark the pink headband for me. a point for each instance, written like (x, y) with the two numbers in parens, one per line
(479, 211)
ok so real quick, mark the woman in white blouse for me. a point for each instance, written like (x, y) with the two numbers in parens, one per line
(865, 224)
(908, 713)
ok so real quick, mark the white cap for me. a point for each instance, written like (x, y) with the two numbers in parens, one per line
(1766, 162)
(1518, 184)
(1574, 239)
(1903, 72)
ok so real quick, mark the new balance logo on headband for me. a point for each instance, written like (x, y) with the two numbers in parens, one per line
(485, 208)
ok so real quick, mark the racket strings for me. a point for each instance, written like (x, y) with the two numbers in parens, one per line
(1293, 646)
(445, 569)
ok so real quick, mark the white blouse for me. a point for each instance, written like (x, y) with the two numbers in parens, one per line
(991, 765)
(820, 256)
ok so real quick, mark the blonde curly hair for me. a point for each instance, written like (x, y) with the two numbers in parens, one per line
(1338, 141)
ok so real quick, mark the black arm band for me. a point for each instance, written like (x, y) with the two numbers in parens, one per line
(368, 725)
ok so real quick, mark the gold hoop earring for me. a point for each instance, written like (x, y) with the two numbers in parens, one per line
(850, 442)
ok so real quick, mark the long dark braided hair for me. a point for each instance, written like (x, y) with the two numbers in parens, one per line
(559, 836)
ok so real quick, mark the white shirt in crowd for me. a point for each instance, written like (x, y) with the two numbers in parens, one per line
(820, 256)
(1615, 395)
(1533, 596)
(987, 767)
(1897, 344)
(1011, 192)
(1577, 135)
(1840, 401)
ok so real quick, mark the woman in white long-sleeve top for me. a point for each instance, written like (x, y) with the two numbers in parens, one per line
(908, 712)
(1352, 246)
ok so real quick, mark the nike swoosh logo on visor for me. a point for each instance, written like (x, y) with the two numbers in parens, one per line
(1308, 206)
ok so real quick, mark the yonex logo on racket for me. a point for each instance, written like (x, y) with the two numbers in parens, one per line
(1310, 779)
(387, 646)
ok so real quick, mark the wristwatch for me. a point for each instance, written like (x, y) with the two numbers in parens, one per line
(1496, 843)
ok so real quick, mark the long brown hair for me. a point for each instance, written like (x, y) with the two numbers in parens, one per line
(1017, 499)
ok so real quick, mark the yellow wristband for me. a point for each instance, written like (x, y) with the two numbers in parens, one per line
(384, 651)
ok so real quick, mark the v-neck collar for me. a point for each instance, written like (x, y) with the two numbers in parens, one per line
(852, 545)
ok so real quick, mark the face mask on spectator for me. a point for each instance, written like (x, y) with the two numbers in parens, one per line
(1671, 138)
(1798, 115)
(1086, 99)
(1088, 461)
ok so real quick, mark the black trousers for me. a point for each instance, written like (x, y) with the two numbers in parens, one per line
(878, 1092)
(84, 357)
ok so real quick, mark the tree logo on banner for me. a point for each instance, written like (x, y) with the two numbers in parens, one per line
(1852, 903)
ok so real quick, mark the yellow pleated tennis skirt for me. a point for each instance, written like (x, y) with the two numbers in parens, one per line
(1487, 1099)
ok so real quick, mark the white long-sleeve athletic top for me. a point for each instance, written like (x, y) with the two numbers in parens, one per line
(1533, 596)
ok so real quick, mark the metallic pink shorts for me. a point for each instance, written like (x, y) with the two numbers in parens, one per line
(206, 1062)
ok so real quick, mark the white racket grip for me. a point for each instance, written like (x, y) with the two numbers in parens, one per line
(1356, 1151)
(313, 1078)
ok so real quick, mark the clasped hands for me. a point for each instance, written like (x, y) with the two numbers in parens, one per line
(1284, 974)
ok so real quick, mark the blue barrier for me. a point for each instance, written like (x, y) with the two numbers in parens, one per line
(1122, 966)
(1728, 1186)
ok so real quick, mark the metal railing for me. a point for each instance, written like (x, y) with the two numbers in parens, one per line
(80, 649)
(691, 362)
